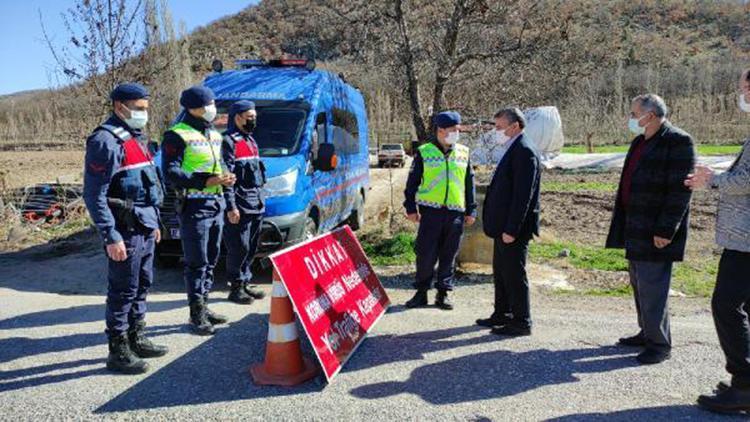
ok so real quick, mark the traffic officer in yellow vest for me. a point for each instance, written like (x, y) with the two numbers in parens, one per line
(122, 190)
(192, 164)
(440, 197)
(245, 201)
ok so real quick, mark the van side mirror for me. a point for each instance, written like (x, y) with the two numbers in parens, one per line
(327, 159)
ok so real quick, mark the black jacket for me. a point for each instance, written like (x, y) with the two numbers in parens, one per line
(511, 204)
(659, 202)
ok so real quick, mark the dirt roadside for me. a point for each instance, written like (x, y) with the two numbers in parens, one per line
(23, 168)
(576, 207)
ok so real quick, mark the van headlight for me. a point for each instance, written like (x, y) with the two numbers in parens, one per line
(282, 185)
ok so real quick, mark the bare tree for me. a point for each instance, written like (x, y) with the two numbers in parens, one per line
(102, 37)
(113, 41)
(164, 64)
(438, 44)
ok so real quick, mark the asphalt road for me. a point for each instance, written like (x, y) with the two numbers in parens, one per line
(422, 364)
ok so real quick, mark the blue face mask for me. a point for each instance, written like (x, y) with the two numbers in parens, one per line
(634, 126)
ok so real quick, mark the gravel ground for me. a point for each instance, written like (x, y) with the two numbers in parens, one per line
(422, 364)
(417, 365)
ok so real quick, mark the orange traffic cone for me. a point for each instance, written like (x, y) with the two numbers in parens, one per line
(284, 364)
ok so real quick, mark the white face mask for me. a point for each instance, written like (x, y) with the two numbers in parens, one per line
(500, 137)
(634, 125)
(744, 105)
(210, 113)
(452, 138)
(138, 118)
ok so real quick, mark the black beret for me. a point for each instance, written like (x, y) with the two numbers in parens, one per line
(447, 119)
(129, 92)
(241, 107)
(196, 97)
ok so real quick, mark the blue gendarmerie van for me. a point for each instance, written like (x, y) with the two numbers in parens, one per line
(312, 137)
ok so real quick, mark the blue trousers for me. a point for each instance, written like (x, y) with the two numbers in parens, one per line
(129, 280)
(200, 230)
(438, 240)
(241, 241)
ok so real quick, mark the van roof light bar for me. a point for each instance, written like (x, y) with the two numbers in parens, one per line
(248, 63)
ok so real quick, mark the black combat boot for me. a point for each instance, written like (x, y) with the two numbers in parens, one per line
(442, 300)
(255, 292)
(418, 301)
(199, 320)
(239, 295)
(142, 346)
(213, 317)
(121, 358)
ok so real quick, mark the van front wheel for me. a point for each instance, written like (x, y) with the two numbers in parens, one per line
(357, 217)
(311, 228)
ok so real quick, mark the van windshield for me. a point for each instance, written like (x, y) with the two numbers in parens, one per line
(278, 132)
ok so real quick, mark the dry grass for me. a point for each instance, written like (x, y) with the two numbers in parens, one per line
(23, 168)
(18, 233)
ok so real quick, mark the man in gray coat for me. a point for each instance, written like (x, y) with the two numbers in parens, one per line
(732, 292)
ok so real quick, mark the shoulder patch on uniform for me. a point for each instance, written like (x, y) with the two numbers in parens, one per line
(117, 131)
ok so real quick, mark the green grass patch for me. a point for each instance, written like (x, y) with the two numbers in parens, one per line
(620, 291)
(581, 149)
(719, 149)
(695, 278)
(397, 250)
(580, 256)
(578, 186)
(703, 149)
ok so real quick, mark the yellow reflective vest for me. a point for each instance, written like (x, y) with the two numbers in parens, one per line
(444, 177)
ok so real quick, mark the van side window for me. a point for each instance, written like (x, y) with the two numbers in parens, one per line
(319, 135)
(345, 132)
